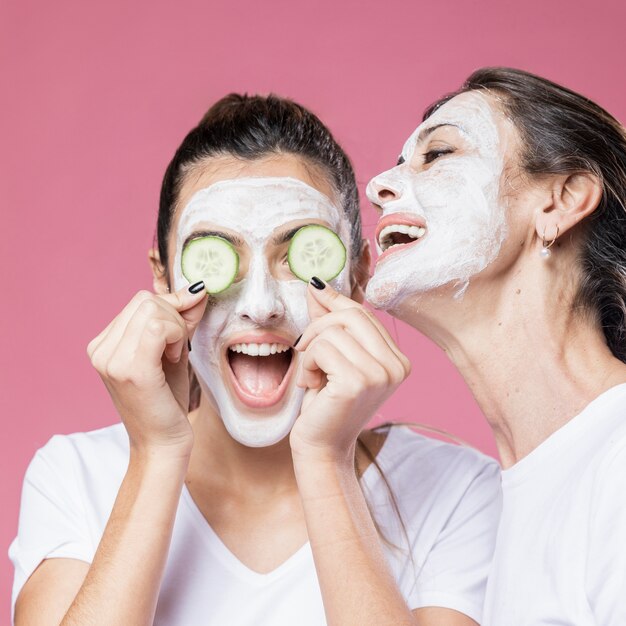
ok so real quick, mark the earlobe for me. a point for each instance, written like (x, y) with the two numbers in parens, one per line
(159, 279)
(575, 197)
(361, 272)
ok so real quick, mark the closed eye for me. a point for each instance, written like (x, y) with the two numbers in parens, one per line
(431, 155)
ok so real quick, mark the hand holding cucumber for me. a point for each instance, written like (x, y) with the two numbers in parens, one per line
(141, 357)
(349, 366)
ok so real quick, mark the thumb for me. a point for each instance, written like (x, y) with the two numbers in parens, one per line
(190, 302)
(322, 298)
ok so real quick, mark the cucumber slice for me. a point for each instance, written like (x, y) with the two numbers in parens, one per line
(211, 259)
(316, 251)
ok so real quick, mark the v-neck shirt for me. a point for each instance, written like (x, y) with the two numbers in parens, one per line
(448, 498)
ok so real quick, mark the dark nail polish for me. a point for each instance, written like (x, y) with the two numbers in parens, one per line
(189, 345)
(196, 287)
(295, 343)
(318, 283)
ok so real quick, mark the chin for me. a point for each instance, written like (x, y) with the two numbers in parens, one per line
(264, 427)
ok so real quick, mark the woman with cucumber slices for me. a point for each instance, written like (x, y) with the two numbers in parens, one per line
(240, 487)
(516, 188)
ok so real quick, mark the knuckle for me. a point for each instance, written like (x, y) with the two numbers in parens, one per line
(379, 376)
(116, 372)
(91, 347)
(358, 383)
(156, 327)
(141, 295)
(148, 307)
(406, 365)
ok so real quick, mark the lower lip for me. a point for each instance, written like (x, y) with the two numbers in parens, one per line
(397, 248)
(265, 401)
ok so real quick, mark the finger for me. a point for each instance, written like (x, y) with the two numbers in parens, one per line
(358, 323)
(148, 308)
(321, 297)
(356, 361)
(147, 339)
(114, 331)
(116, 327)
(190, 306)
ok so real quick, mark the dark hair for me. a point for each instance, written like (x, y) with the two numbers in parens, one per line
(254, 127)
(563, 132)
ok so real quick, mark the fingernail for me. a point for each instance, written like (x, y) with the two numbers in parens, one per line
(295, 343)
(318, 283)
(189, 345)
(196, 287)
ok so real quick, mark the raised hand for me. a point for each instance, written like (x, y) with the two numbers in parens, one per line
(349, 365)
(142, 358)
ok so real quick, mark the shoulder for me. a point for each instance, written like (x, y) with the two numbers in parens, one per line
(82, 452)
(407, 452)
(423, 471)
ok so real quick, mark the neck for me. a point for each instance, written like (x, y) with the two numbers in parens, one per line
(221, 463)
(531, 360)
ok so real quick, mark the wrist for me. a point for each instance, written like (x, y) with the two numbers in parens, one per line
(154, 456)
(315, 458)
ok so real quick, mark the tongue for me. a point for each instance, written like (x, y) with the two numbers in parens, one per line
(259, 375)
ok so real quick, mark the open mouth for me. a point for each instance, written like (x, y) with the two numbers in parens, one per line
(260, 371)
(397, 232)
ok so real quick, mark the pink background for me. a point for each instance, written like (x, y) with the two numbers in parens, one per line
(99, 97)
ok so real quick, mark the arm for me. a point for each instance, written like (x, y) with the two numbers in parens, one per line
(356, 583)
(131, 555)
(349, 367)
(142, 359)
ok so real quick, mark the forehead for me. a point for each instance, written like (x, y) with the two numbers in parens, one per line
(256, 206)
(476, 115)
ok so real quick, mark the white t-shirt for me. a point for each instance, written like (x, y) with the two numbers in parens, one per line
(561, 549)
(449, 497)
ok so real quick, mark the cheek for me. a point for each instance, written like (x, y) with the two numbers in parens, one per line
(293, 295)
(459, 190)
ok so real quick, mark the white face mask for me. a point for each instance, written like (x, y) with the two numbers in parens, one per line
(256, 396)
(456, 200)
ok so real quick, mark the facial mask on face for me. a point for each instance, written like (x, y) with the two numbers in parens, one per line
(456, 199)
(255, 395)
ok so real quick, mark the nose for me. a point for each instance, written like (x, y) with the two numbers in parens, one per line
(383, 188)
(260, 301)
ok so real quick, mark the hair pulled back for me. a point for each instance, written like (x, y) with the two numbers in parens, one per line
(255, 127)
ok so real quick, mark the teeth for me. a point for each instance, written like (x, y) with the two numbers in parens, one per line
(259, 349)
(385, 240)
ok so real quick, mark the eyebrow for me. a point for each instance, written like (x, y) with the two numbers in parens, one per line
(281, 238)
(424, 133)
(196, 234)
(431, 129)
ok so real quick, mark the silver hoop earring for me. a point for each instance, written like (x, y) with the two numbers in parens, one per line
(545, 252)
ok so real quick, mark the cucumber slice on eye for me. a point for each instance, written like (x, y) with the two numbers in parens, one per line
(316, 251)
(212, 260)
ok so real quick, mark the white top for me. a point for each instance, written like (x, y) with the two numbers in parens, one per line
(449, 497)
(561, 549)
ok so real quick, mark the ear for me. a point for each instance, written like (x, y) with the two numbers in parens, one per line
(574, 197)
(361, 272)
(159, 279)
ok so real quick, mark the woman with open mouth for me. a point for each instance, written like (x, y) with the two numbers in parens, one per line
(240, 487)
(503, 238)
